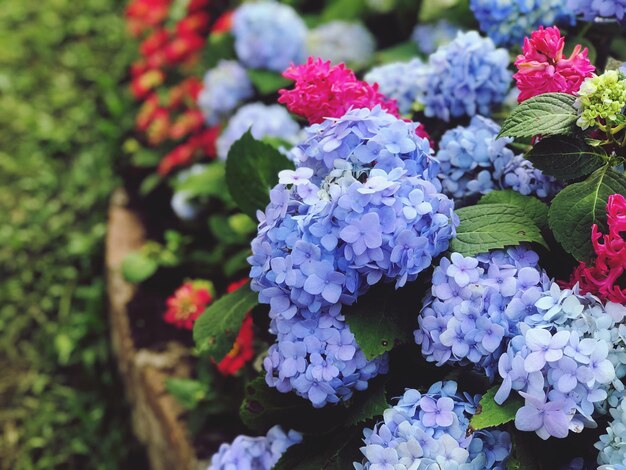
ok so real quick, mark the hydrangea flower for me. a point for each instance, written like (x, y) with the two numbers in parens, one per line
(612, 445)
(602, 277)
(254, 452)
(342, 41)
(268, 35)
(405, 82)
(187, 303)
(431, 431)
(430, 36)
(262, 120)
(593, 9)
(601, 101)
(225, 87)
(323, 91)
(474, 161)
(542, 67)
(468, 76)
(506, 22)
(476, 304)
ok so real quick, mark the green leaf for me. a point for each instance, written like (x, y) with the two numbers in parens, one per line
(215, 331)
(547, 114)
(334, 451)
(344, 10)
(487, 227)
(490, 414)
(398, 53)
(566, 158)
(149, 184)
(251, 171)
(368, 404)
(208, 182)
(219, 46)
(577, 207)
(138, 267)
(188, 392)
(534, 209)
(267, 82)
(381, 318)
(236, 263)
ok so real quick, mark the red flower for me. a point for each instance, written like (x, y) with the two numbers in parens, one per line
(224, 23)
(182, 48)
(146, 14)
(186, 92)
(201, 145)
(146, 82)
(158, 130)
(146, 113)
(188, 303)
(188, 122)
(604, 276)
(154, 42)
(196, 23)
(542, 68)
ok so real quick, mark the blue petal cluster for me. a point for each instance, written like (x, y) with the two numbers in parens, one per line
(225, 87)
(342, 41)
(474, 161)
(362, 206)
(565, 360)
(262, 120)
(268, 35)
(430, 36)
(507, 22)
(260, 453)
(476, 304)
(468, 76)
(592, 9)
(612, 445)
(405, 82)
(431, 431)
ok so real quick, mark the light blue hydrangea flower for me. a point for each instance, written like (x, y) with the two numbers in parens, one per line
(260, 453)
(612, 445)
(342, 41)
(225, 87)
(592, 9)
(430, 430)
(474, 161)
(430, 36)
(262, 120)
(405, 82)
(468, 76)
(268, 35)
(507, 22)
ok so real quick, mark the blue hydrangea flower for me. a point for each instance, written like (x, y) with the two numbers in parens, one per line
(612, 445)
(268, 35)
(430, 36)
(507, 22)
(592, 9)
(476, 304)
(225, 87)
(260, 453)
(405, 82)
(468, 76)
(262, 120)
(342, 41)
(431, 431)
(474, 161)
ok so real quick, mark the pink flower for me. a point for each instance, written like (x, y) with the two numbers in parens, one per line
(322, 91)
(542, 68)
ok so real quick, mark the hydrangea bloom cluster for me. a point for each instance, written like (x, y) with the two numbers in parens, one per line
(508, 21)
(601, 100)
(360, 207)
(342, 41)
(592, 9)
(602, 278)
(476, 304)
(566, 358)
(542, 67)
(268, 35)
(225, 87)
(323, 91)
(612, 445)
(468, 76)
(405, 82)
(430, 36)
(254, 452)
(474, 161)
(188, 303)
(262, 120)
(430, 430)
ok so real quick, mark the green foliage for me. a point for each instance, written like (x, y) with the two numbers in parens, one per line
(209, 182)
(64, 113)
(534, 209)
(368, 405)
(545, 115)
(251, 171)
(399, 53)
(577, 207)
(188, 392)
(334, 451)
(487, 227)
(138, 267)
(490, 414)
(216, 329)
(266, 81)
(566, 158)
